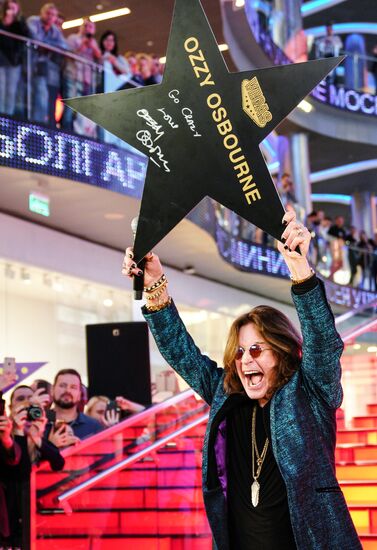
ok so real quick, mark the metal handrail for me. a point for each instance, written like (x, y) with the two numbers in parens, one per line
(359, 330)
(354, 312)
(130, 460)
(117, 428)
(65, 53)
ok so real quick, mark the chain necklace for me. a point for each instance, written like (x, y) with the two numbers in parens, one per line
(255, 487)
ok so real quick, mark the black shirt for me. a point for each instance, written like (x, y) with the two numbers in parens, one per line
(268, 525)
(11, 50)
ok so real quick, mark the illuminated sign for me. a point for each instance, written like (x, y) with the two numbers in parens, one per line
(39, 204)
(247, 256)
(37, 149)
(347, 100)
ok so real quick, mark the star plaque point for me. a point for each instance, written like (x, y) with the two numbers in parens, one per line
(201, 129)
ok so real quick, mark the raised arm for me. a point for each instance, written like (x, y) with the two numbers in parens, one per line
(171, 336)
(322, 345)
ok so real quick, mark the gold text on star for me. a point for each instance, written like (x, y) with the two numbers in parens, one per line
(224, 126)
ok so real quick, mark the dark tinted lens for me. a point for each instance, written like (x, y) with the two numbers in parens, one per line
(255, 351)
(239, 353)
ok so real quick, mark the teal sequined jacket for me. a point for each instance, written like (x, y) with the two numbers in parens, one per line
(303, 425)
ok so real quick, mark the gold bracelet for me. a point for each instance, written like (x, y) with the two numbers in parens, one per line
(162, 280)
(158, 292)
(158, 307)
(299, 281)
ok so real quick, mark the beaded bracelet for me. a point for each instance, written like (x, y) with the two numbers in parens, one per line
(157, 284)
(299, 281)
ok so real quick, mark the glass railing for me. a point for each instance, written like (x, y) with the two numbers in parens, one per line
(46, 74)
(137, 482)
(358, 330)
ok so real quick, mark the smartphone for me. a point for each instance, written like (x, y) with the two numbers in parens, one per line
(51, 416)
(113, 406)
(9, 363)
(42, 384)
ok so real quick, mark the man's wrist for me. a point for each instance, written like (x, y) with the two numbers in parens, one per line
(299, 269)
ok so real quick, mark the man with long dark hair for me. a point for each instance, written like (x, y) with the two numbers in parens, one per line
(268, 458)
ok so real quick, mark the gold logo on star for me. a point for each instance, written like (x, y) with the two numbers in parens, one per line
(254, 103)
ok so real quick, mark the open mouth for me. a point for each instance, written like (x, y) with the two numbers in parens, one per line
(254, 378)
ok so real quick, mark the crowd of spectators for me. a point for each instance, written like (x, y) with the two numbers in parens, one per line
(43, 420)
(343, 254)
(96, 65)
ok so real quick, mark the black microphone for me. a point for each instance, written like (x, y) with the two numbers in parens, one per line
(138, 279)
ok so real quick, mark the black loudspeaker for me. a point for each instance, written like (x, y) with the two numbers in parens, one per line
(118, 361)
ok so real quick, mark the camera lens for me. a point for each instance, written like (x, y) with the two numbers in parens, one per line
(34, 413)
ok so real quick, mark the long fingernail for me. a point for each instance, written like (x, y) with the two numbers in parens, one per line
(134, 266)
(130, 255)
(139, 273)
(283, 240)
(286, 247)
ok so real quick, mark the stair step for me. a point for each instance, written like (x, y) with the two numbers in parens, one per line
(359, 471)
(121, 542)
(137, 522)
(357, 435)
(355, 452)
(369, 421)
(142, 498)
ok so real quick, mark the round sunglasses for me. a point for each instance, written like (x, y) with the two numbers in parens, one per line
(255, 350)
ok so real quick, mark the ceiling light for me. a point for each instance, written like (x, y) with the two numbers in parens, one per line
(96, 17)
(72, 23)
(47, 280)
(108, 302)
(189, 270)
(371, 349)
(356, 346)
(109, 14)
(305, 106)
(10, 273)
(57, 285)
(162, 60)
(25, 276)
(223, 47)
(239, 3)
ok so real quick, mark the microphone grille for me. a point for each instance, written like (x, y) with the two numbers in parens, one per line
(134, 223)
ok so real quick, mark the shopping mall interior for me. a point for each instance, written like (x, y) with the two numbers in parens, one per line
(69, 190)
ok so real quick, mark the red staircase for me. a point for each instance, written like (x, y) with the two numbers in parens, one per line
(155, 502)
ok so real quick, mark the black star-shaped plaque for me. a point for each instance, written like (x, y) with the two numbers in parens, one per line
(201, 129)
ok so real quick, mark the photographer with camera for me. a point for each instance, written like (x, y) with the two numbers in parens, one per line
(28, 425)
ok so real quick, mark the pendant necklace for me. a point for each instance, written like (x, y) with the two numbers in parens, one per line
(255, 486)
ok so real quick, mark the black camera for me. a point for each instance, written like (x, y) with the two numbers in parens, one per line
(89, 35)
(34, 412)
